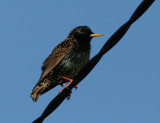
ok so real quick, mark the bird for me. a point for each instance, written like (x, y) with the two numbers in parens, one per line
(65, 61)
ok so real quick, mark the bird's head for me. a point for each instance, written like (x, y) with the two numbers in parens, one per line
(83, 33)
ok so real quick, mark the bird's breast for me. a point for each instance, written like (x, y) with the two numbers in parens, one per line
(74, 61)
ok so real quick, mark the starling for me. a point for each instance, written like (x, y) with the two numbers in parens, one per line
(65, 61)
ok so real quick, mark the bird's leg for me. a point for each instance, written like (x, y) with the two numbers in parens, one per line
(70, 81)
(62, 87)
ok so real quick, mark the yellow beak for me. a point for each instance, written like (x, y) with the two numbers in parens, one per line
(96, 35)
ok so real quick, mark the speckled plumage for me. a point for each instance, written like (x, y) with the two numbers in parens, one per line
(66, 59)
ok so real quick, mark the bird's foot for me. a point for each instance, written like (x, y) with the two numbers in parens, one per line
(60, 91)
(76, 87)
(69, 96)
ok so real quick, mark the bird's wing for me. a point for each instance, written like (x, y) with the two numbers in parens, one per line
(56, 56)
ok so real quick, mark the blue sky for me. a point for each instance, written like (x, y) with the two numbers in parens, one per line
(123, 88)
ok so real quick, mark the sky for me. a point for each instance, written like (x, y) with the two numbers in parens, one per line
(124, 87)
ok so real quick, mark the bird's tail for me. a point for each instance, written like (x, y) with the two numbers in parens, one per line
(38, 90)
